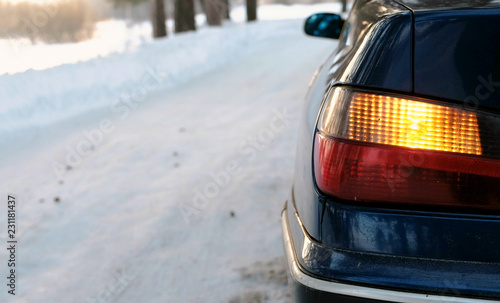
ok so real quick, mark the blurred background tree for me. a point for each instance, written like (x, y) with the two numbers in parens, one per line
(213, 11)
(49, 22)
(128, 5)
(184, 16)
(66, 21)
(158, 19)
(251, 10)
(226, 9)
(157, 14)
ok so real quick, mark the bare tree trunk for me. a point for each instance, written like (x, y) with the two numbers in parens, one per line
(128, 14)
(251, 10)
(226, 9)
(184, 16)
(158, 19)
(344, 5)
(202, 3)
(213, 12)
(128, 11)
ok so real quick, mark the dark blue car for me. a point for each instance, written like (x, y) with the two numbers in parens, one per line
(396, 193)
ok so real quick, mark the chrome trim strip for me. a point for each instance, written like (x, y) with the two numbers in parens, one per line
(358, 291)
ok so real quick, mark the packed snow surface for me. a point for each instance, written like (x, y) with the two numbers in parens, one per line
(157, 173)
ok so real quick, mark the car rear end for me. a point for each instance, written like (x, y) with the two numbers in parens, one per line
(397, 186)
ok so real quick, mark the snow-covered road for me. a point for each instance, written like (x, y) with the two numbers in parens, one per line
(172, 196)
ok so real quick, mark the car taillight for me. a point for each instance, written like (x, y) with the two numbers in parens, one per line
(381, 147)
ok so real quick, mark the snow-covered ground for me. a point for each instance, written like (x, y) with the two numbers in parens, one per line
(157, 174)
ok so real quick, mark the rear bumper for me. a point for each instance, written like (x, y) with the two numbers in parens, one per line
(307, 287)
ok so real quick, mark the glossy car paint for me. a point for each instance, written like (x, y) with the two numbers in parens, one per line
(405, 249)
(457, 56)
(376, 48)
(393, 271)
(363, 59)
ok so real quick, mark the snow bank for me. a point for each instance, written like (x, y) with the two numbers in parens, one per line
(34, 99)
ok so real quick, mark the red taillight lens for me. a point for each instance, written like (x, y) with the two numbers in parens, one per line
(376, 147)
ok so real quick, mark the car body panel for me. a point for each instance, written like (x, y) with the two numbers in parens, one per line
(430, 5)
(392, 271)
(391, 71)
(418, 234)
(405, 249)
(469, 72)
(375, 49)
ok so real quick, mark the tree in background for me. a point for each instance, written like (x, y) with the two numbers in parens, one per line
(157, 14)
(213, 11)
(225, 9)
(55, 22)
(251, 10)
(344, 5)
(184, 16)
(158, 19)
(128, 5)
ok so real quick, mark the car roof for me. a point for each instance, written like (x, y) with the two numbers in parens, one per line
(421, 5)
